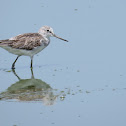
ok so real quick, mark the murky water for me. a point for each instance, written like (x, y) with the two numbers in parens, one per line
(82, 82)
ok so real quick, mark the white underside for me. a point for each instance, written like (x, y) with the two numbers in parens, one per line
(24, 52)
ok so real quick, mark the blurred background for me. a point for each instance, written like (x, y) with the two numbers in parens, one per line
(82, 82)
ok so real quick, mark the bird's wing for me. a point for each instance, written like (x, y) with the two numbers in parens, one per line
(26, 41)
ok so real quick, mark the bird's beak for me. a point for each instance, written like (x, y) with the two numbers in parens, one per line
(60, 38)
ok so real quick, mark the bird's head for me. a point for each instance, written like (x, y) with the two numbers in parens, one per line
(47, 32)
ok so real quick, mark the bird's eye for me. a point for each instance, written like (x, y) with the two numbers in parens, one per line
(49, 31)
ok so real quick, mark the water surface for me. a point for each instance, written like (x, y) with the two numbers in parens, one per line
(82, 82)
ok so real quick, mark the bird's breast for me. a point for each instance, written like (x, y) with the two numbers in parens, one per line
(45, 42)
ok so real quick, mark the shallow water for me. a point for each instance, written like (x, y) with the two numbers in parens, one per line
(82, 82)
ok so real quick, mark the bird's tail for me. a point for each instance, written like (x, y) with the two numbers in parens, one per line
(4, 42)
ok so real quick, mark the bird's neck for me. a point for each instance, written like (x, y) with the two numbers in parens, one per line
(45, 36)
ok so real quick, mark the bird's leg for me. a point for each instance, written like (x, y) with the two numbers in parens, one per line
(13, 70)
(31, 62)
(13, 65)
(32, 74)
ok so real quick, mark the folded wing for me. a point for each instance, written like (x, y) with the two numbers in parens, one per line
(26, 41)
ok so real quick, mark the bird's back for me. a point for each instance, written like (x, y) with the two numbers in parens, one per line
(26, 41)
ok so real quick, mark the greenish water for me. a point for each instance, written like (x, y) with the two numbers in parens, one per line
(82, 82)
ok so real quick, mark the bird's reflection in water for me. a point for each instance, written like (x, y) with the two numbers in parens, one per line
(30, 90)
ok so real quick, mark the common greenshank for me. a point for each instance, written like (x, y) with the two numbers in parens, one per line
(29, 44)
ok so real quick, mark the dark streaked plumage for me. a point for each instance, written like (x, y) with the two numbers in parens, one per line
(27, 41)
(29, 44)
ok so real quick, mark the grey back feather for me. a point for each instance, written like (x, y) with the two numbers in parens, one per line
(26, 41)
